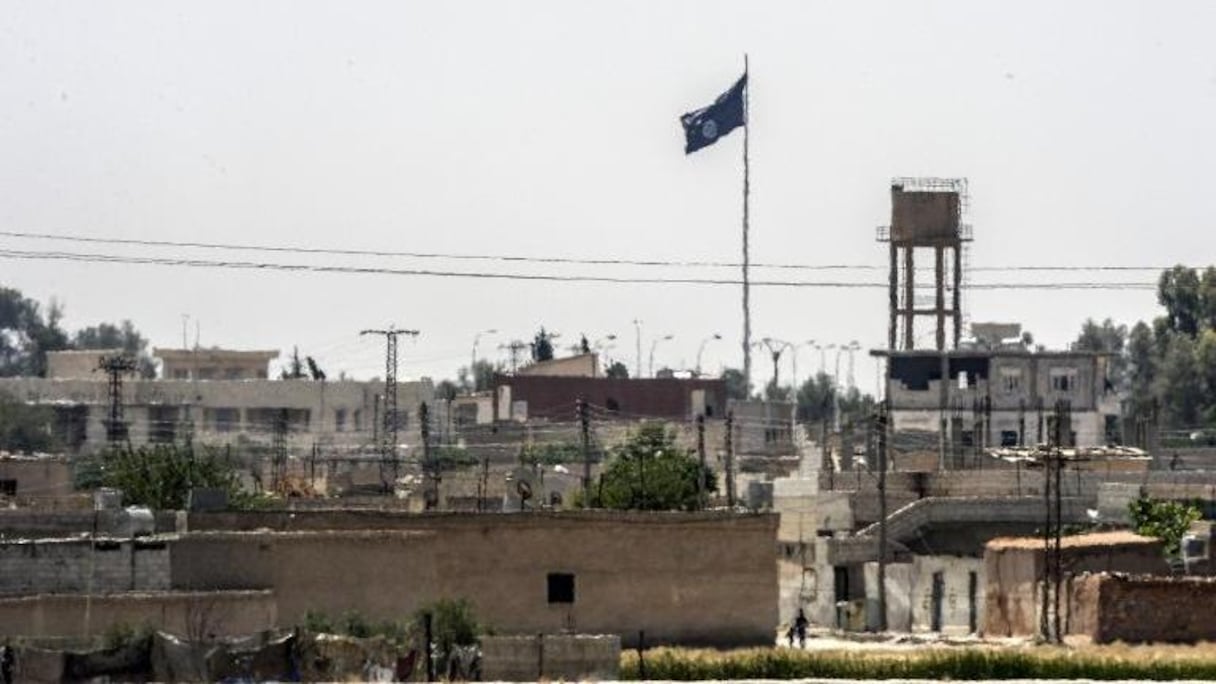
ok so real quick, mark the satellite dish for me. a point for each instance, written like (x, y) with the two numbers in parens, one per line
(524, 486)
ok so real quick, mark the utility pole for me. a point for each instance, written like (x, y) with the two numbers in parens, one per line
(514, 347)
(1059, 436)
(730, 460)
(584, 420)
(388, 436)
(701, 461)
(278, 449)
(880, 428)
(114, 367)
(430, 466)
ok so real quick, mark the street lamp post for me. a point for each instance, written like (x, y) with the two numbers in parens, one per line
(700, 349)
(473, 365)
(637, 332)
(600, 345)
(774, 347)
(652, 346)
(794, 362)
(852, 349)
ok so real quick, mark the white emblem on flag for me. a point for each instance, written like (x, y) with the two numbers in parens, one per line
(709, 129)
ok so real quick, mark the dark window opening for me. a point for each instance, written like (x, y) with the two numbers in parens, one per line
(561, 587)
(612, 404)
(8, 487)
(1009, 438)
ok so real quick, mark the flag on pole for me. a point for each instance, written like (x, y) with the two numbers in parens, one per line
(703, 127)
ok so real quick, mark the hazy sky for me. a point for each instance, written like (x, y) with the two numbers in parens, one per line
(550, 129)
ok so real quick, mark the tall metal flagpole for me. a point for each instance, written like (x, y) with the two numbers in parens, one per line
(747, 316)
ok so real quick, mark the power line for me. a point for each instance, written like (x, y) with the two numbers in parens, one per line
(368, 270)
(614, 261)
(334, 251)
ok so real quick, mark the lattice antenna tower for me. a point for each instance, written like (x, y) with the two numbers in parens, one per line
(114, 367)
(391, 422)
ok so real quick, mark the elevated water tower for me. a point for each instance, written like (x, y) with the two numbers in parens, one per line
(926, 215)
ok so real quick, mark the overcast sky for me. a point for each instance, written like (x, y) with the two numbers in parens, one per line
(551, 129)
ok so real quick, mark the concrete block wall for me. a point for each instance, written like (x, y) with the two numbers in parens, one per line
(184, 613)
(569, 657)
(1138, 609)
(79, 565)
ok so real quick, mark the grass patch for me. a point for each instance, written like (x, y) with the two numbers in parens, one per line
(964, 663)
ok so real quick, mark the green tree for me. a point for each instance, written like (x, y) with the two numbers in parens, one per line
(446, 390)
(616, 370)
(1180, 385)
(817, 399)
(648, 471)
(1207, 297)
(481, 379)
(123, 336)
(1109, 338)
(1164, 520)
(453, 624)
(542, 346)
(856, 407)
(773, 392)
(294, 370)
(160, 476)
(26, 428)
(26, 335)
(1178, 292)
(1205, 361)
(737, 386)
(1142, 369)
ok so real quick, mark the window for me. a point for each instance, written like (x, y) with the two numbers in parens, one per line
(224, 419)
(162, 424)
(1063, 379)
(1009, 438)
(340, 420)
(358, 420)
(561, 587)
(181, 374)
(8, 487)
(1011, 380)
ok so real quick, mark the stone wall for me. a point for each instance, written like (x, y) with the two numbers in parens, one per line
(561, 657)
(1013, 575)
(80, 565)
(1137, 609)
(184, 613)
(691, 578)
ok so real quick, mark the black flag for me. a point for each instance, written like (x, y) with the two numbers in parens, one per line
(704, 126)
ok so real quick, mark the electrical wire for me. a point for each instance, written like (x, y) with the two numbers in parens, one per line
(613, 261)
(370, 270)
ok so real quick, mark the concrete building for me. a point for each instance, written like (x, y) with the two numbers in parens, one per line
(528, 397)
(340, 413)
(577, 366)
(683, 578)
(1014, 570)
(997, 397)
(214, 364)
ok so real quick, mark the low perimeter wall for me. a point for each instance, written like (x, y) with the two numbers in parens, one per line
(191, 614)
(1143, 608)
(568, 657)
